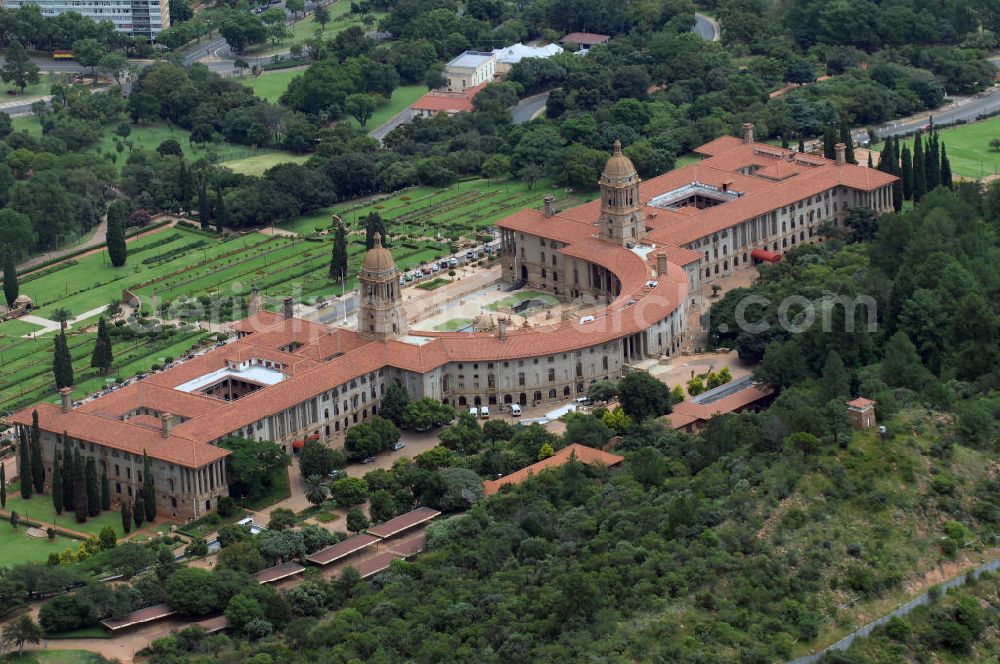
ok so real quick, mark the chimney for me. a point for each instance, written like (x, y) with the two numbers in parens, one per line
(661, 264)
(66, 399)
(748, 133)
(287, 308)
(165, 424)
(840, 150)
(502, 329)
(549, 211)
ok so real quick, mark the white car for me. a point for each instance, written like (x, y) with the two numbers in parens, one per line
(484, 412)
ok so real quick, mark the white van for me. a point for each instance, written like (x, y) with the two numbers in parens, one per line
(515, 410)
(474, 411)
(484, 412)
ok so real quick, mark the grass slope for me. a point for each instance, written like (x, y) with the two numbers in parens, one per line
(968, 148)
(17, 548)
(402, 97)
(39, 508)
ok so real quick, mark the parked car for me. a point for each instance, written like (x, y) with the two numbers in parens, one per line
(474, 411)
(515, 410)
(426, 270)
(435, 267)
(368, 459)
(484, 412)
(398, 445)
(337, 473)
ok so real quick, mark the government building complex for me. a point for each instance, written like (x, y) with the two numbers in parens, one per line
(638, 255)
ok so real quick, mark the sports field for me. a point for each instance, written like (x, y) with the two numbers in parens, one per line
(968, 148)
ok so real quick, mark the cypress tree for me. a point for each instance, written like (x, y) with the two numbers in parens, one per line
(221, 214)
(906, 172)
(24, 464)
(946, 179)
(148, 488)
(10, 285)
(802, 145)
(338, 259)
(919, 172)
(845, 138)
(103, 356)
(932, 162)
(117, 219)
(93, 490)
(67, 474)
(37, 467)
(79, 488)
(105, 491)
(138, 511)
(62, 363)
(829, 140)
(57, 481)
(204, 206)
(3, 486)
(126, 518)
(887, 160)
(870, 163)
(185, 186)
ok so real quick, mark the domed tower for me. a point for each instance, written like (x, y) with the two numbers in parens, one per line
(381, 315)
(622, 220)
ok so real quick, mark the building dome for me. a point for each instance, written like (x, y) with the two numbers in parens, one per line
(619, 166)
(378, 259)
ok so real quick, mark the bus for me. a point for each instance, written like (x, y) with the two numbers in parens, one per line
(62, 55)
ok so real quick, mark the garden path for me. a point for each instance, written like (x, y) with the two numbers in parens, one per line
(52, 326)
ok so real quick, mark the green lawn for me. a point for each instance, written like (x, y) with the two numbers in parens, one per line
(257, 164)
(16, 547)
(271, 85)
(434, 284)
(968, 148)
(402, 97)
(17, 328)
(305, 28)
(39, 508)
(453, 324)
(52, 657)
(686, 160)
(35, 90)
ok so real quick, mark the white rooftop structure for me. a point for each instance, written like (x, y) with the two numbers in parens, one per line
(254, 373)
(471, 59)
(513, 54)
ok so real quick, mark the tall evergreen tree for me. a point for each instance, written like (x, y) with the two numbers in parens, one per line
(24, 464)
(802, 144)
(117, 220)
(946, 179)
(62, 363)
(829, 142)
(93, 490)
(103, 356)
(68, 474)
(79, 488)
(57, 481)
(3, 485)
(185, 186)
(105, 490)
(836, 382)
(11, 289)
(887, 159)
(919, 172)
(204, 205)
(37, 467)
(338, 259)
(932, 162)
(138, 511)
(845, 138)
(870, 163)
(221, 214)
(906, 172)
(126, 518)
(148, 488)
(375, 224)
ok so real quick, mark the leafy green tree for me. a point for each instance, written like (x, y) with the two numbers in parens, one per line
(10, 284)
(243, 610)
(24, 465)
(461, 489)
(80, 488)
(464, 436)
(316, 491)
(381, 506)
(37, 467)
(545, 451)
(252, 465)
(105, 490)
(103, 357)
(394, 403)
(603, 390)
(107, 538)
(316, 459)
(281, 519)
(617, 421)
(113, 65)
(338, 258)
(20, 631)
(193, 591)
(117, 218)
(88, 53)
(901, 364)
(836, 382)
(806, 443)
(321, 15)
(18, 67)
(62, 363)
(349, 491)
(643, 396)
(361, 106)
(148, 488)
(93, 490)
(356, 520)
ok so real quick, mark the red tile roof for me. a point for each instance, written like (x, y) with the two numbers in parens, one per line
(689, 411)
(442, 101)
(584, 454)
(861, 403)
(585, 38)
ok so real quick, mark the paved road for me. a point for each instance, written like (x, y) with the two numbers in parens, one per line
(706, 28)
(903, 610)
(400, 118)
(970, 110)
(529, 108)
